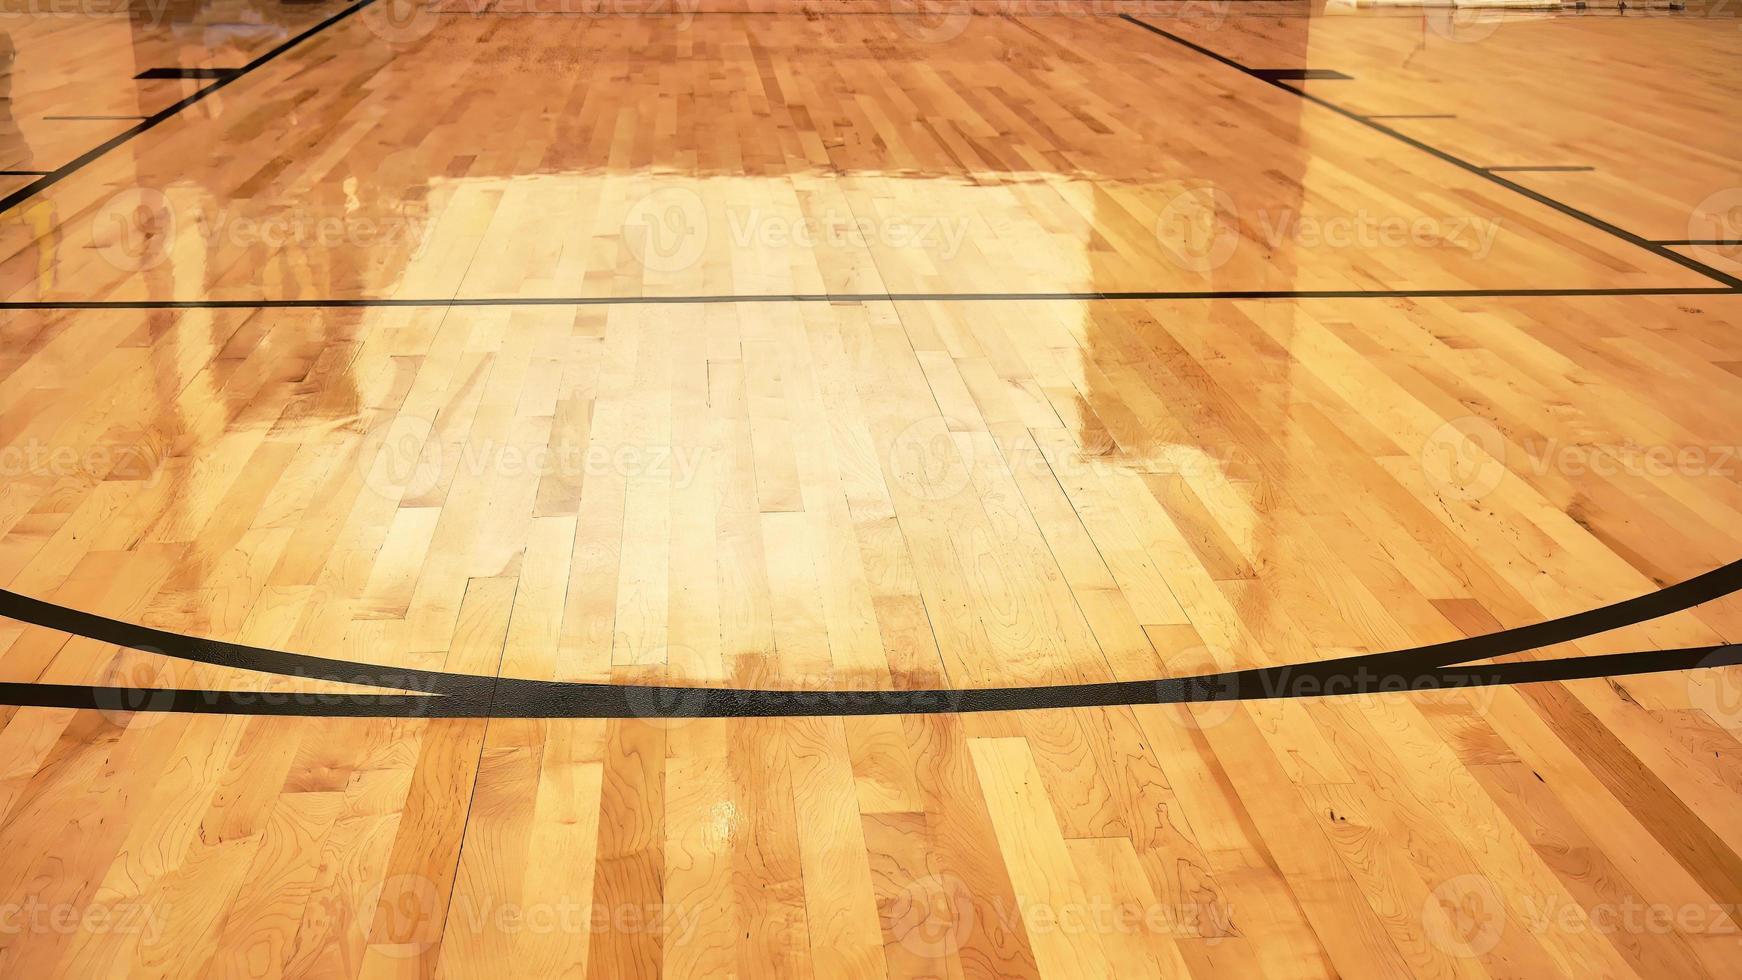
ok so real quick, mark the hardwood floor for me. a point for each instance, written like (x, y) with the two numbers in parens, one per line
(1655, 173)
(836, 154)
(363, 410)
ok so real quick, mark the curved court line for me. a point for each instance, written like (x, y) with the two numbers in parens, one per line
(476, 695)
(649, 703)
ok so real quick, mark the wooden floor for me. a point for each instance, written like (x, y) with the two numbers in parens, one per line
(858, 350)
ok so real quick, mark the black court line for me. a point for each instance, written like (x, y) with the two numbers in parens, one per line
(1580, 8)
(157, 118)
(1411, 115)
(654, 703)
(447, 694)
(1189, 10)
(465, 695)
(1301, 75)
(92, 118)
(199, 73)
(22, 173)
(1543, 199)
(1540, 169)
(1731, 282)
(1544, 8)
(849, 298)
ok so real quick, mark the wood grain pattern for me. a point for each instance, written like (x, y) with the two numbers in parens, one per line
(875, 492)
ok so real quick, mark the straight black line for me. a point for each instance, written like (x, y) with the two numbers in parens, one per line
(1385, 11)
(1462, 164)
(1302, 75)
(1521, 8)
(154, 74)
(157, 118)
(1540, 169)
(1584, 9)
(1188, 10)
(847, 298)
(1411, 115)
(473, 694)
(22, 173)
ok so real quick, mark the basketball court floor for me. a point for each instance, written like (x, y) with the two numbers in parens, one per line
(870, 488)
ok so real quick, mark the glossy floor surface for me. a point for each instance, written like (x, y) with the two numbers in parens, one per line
(858, 349)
